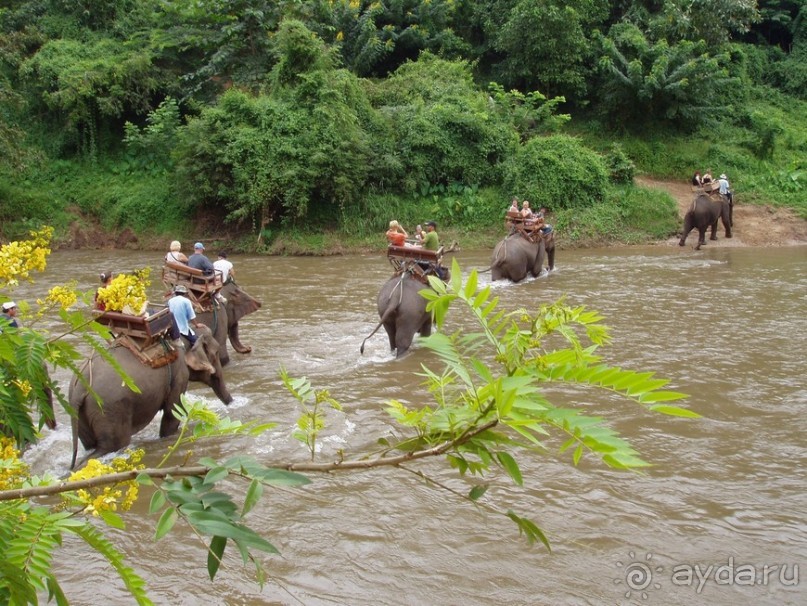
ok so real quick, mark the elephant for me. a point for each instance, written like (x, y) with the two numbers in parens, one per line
(109, 427)
(403, 312)
(224, 321)
(704, 213)
(515, 256)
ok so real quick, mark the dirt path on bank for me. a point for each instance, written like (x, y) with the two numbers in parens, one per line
(753, 225)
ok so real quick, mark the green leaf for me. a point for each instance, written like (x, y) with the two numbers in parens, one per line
(216, 474)
(477, 491)
(578, 452)
(510, 466)
(166, 523)
(674, 411)
(144, 479)
(157, 502)
(112, 519)
(254, 493)
(214, 555)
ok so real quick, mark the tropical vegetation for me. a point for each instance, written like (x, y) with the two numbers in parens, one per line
(281, 118)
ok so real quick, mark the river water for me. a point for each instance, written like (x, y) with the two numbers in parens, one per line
(720, 517)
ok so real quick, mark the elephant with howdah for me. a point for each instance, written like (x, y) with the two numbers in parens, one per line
(109, 426)
(403, 312)
(704, 213)
(223, 319)
(516, 256)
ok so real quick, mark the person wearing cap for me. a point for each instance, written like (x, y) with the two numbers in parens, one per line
(174, 255)
(431, 241)
(198, 260)
(184, 316)
(724, 188)
(225, 266)
(9, 316)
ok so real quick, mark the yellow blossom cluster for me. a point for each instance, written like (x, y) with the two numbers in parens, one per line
(19, 258)
(60, 296)
(126, 292)
(12, 471)
(108, 498)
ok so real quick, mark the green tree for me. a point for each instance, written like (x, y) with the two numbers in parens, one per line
(545, 45)
(83, 84)
(557, 172)
(678, 84)
(445, 130)
(375, 38)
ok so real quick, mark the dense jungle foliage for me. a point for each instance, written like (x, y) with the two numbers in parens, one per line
(272, 121)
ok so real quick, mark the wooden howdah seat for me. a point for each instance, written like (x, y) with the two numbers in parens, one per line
(201, 288)
(526, 228)
(145, 336)
(416, 260)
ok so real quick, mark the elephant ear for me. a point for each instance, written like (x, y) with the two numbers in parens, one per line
(240, 304)
(197, 357)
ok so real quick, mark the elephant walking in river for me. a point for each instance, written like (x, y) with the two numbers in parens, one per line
(704, 213)
(223, 319)
(403, 312)
(109, 426)
(516, 256)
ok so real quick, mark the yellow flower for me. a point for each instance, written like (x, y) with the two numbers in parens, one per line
(12, 471)
(108, 498)
(126, 290)
(19, 258)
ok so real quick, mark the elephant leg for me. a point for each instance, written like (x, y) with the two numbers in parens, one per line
(390, 327)
(403, 342)
(550, 258)
(714, 230)
(169, 424)
(426, 328)
(688, 225)
(701, 237)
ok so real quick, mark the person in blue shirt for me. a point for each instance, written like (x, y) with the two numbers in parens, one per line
(184, 316)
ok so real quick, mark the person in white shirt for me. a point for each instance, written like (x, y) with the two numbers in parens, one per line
(225, 267)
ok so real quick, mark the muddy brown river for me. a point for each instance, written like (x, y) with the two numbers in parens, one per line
(720, 518)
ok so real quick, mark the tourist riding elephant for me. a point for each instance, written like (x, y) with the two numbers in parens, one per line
(703, 214)
(403, 312)
(516, 256)
(109, 427)
(224, 321)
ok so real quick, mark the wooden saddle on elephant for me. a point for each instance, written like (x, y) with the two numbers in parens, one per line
(530, 229)
(145, 336)
(417, 261)
(201, 288)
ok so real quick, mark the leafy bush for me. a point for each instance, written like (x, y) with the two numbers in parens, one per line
(620, 167)
(557, 172)
(446, 130)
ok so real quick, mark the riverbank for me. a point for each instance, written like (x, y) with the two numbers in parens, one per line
(754, 225)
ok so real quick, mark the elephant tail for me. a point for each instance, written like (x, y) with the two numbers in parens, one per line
(389, 311)
(76, 384)
(499, 254)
